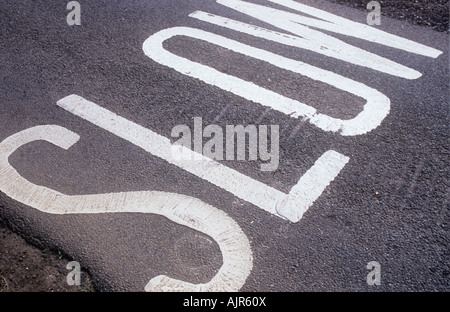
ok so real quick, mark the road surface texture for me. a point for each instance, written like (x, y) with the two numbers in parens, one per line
(386, 204)
(429, 13)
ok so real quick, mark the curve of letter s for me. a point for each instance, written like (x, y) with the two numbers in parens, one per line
(184, 210)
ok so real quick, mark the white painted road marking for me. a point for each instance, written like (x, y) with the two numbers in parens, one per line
(377, 105)
(291, 206)
(375, 110)
(327, 21)
(309, 39)
(184, 210)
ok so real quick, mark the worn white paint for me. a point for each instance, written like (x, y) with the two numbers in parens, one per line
(291, 206)
(312, 40)
(295, 23)
(184, 210)
(308, 189)
(375, 110)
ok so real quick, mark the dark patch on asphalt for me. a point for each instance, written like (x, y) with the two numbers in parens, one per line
(430, 13)
(28, 268)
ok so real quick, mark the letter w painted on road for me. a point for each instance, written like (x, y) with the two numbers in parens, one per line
(295, 24)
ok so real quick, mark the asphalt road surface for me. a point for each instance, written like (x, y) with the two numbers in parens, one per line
(358, 197)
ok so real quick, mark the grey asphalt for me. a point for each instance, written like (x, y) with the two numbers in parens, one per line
(389, 204)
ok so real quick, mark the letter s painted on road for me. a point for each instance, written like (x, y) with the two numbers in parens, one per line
(184, 210)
